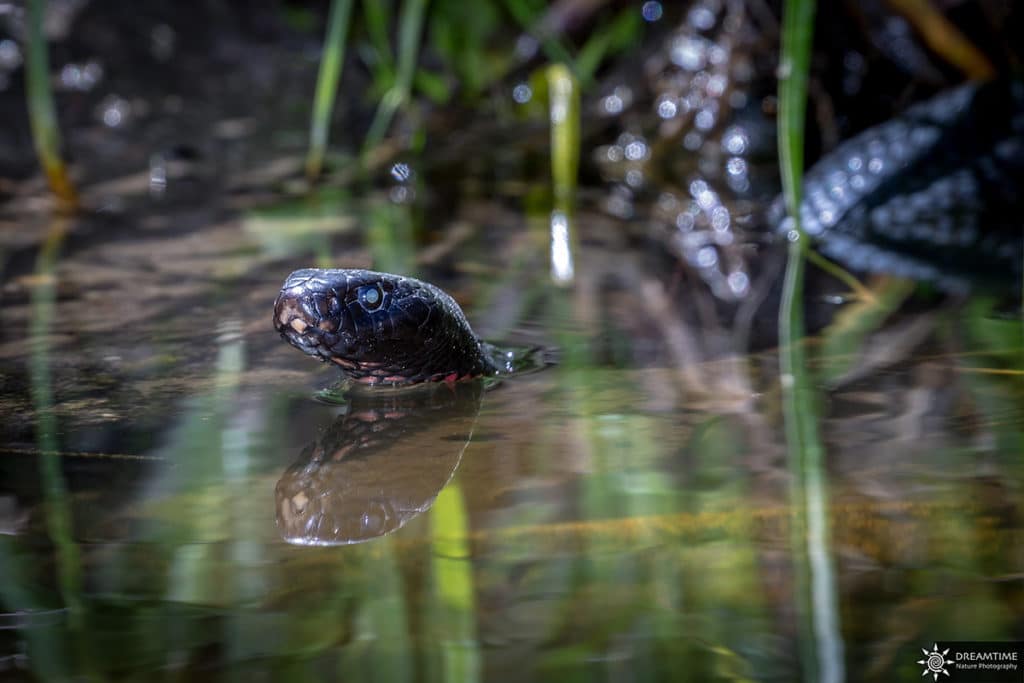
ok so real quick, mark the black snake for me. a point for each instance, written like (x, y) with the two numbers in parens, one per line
(933, 194)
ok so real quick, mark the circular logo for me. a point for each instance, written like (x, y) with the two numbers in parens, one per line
(935, 662)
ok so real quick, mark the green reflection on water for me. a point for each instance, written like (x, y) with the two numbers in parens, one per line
(451, 616)
(52, 643)
(381, 648)
(650, 564)
(44, 297)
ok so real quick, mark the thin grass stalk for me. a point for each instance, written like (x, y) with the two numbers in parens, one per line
(410, 31)
(553, 49)
(375, 18)
(564, 112)
(41, 111)
(820, 642)
(327, 85)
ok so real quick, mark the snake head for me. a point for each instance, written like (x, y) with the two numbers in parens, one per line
(378, 328)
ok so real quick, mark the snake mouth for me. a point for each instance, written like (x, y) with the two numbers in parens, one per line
(299, 320)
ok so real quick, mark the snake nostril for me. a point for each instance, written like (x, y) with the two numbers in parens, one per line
(290, 313)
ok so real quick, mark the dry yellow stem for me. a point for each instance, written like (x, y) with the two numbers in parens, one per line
(945, 39)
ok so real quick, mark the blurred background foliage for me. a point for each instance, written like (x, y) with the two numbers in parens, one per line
(465, 52)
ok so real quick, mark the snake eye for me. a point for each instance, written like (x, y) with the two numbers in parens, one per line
(370, 297)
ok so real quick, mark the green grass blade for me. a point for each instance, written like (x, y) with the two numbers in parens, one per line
(613, 36)
(410, 31)
(327, 85)
(375, 16)
(41, 110)
(798, 22)
(565, 134)
(820, 641)
(794, 65)
(526, 17)
(564, 108)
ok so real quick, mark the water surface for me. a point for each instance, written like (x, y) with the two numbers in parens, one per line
(625, 512)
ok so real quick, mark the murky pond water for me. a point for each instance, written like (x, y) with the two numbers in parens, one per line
(178, 500)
